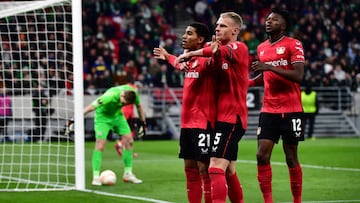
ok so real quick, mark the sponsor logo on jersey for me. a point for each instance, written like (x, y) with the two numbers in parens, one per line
(214, 148)
(276, 63)
(192, 75)
(280, 50)
(204, 151)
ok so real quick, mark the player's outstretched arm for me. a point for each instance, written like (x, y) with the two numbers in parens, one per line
(204, 52)
(88, 109)
(162, 54)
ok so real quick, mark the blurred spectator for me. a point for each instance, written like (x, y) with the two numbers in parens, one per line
(127, 30)
(339, 74)
(163, 78)
(170, 8)
(5, 111)
(42, 110)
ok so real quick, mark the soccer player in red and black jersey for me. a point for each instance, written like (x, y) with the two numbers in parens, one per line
(198, 111)
(281, 64)
(231, 121)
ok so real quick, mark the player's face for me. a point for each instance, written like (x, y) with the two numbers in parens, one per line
(225, 29)
(190, 39)
(274, 24)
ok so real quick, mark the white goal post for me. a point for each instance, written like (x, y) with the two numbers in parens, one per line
(41, 87)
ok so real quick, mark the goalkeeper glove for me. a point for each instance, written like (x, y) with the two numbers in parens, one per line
(142, 130)
(69, 126)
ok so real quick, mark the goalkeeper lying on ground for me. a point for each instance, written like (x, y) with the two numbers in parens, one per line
(109, 117)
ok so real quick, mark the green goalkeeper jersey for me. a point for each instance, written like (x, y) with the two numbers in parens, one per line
(109, 104)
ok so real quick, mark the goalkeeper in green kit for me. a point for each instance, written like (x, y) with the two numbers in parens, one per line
(109, 117)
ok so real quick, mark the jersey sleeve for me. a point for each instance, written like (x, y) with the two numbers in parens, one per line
(297, 52)
(233, 51)
(171, 60)
(107, 97)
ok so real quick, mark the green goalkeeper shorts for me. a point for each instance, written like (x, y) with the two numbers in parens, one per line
(103, 125)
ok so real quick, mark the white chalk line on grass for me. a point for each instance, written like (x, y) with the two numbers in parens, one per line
(272, 163)
(126, 196)
(315, 167)
(307, 166)
(328, 201)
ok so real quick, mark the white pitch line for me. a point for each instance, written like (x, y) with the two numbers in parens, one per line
(328, 201)
(126, 196)
(306, 166)
(315, 167)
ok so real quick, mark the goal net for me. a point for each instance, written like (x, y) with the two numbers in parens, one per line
(36, 95)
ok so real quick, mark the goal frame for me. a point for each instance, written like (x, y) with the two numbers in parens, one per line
(77, 61)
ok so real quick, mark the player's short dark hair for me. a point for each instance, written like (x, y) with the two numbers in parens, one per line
(285, 14)
(130, 96)
(202, 30)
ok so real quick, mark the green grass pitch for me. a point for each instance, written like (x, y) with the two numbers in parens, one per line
(331, 173)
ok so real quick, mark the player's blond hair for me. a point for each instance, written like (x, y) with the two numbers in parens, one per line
(234, 16)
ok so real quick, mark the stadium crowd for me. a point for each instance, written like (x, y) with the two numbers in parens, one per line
(119, 36)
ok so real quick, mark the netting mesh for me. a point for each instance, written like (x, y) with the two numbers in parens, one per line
(36, 81)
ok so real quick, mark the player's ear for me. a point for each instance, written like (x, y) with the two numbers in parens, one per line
(201, 40)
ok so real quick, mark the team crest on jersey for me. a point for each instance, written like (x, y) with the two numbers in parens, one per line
(261, 53)
(234, 46)
(195, 64)
(99, 101)
(280, 50)
(258, 131)
(224, 66)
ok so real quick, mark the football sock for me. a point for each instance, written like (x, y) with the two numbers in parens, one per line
(206, 187)
(265, 178)
(296, 183)
(96, 162)
(218, 185)
(235, 191)
(193, 185)
(128, 160)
